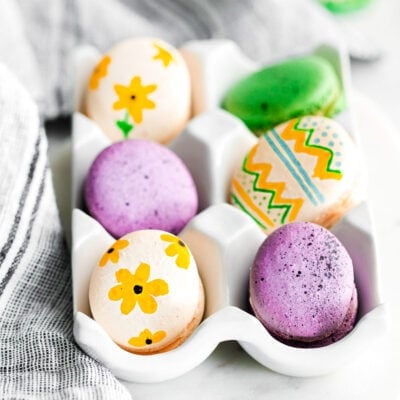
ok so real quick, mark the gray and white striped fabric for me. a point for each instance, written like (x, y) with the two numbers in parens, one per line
(38, 358)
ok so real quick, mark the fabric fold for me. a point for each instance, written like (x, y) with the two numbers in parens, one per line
(38, 356)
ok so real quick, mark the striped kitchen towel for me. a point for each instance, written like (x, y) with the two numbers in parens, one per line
(38, 357)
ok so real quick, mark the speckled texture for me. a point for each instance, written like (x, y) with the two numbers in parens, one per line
(302, 282)
(137, 184)
(346, 326)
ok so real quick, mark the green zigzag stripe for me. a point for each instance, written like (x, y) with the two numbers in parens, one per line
(309, 133)
(270, 206)
(237, 201)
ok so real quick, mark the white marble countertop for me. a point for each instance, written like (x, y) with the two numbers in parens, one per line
(230, 373)
(380, 80)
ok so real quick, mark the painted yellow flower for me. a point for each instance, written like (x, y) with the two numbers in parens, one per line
(146, 338)
(99, 72)
(164, 55)
(177, 248)
(134, 288)
(134, 98)
(112, 254)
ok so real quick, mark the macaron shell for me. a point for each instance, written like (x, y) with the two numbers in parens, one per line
(344, 6)
(301, 282)
(346, 326)
(293, 88)
(153, 260)
(302, 170)
(198, 315)
(142, 91)
(129, 187)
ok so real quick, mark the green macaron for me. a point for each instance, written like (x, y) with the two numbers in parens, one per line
(344, 6)
(293, 88)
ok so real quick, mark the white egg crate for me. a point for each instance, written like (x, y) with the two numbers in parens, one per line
(222, 239)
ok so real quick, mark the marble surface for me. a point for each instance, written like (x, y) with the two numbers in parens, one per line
(380, 80)
(230, 373)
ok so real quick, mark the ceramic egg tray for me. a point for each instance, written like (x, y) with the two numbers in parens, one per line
(222, 239)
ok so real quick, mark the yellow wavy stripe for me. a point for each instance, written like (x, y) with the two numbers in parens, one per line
(248, 202)
(264, 170)
(323, 155)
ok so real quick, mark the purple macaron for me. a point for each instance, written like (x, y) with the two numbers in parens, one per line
(139, 184)
(302, 285)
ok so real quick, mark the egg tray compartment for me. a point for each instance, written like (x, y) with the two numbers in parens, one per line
(223, 240)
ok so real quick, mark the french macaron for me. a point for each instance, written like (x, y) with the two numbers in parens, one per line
(302, 286)
(292, 88)
(140, 89)
(344, 6)
(306, 169)
(345, 328)
(146, 292)
(139, 184)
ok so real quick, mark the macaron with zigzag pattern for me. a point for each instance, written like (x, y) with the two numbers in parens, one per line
(306, 169)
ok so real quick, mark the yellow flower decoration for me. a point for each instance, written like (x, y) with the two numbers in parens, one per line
(99, 72)
(146, 338)
(134, 98)
(177, 248)
(164, 55)
(112, 254)
(135, 289)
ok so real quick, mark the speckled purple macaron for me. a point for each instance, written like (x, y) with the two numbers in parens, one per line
(302, 283)
(138, 184)
(341, 332)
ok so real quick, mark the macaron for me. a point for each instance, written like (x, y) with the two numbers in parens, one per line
(341, 332)
(344, 6)
(302, 286)
(139, 184)
(306, 169)
(140, 89)
(293, 88)
(146, 292)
